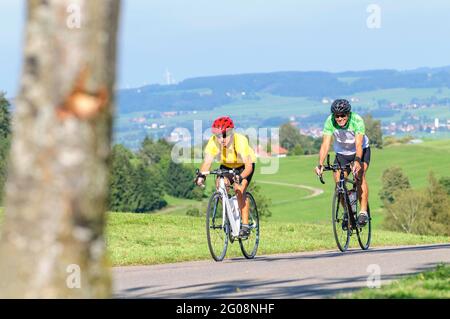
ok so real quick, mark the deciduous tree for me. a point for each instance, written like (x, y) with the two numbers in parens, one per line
(52, 242)
(393, 180)
(373, 131)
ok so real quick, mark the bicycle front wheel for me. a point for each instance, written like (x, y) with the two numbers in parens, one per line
(365, 233)
(341, 221)
(249, 246)
(216, 232)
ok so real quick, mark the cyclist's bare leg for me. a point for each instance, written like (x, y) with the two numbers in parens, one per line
(244, 203)
(363, 188)
(240, 190)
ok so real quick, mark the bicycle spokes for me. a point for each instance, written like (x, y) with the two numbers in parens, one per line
(249, 246)
(341, 221)
(216, 229)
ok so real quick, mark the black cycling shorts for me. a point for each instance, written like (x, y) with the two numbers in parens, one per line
(346, 159)
(240, 170)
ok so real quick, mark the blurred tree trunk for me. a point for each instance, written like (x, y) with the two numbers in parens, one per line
(52, 242)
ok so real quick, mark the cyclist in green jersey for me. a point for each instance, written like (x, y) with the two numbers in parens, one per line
(351, 146)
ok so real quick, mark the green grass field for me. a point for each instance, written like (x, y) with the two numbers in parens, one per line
(400, 95)
(431, 284)
(143, 239)
(254, 112)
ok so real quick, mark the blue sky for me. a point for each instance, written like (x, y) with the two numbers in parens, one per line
(204, 37)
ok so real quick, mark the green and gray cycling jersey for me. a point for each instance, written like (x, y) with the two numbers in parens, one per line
(344, 137)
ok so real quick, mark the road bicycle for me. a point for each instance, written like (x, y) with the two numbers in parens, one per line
(223, 219)
(345, 201)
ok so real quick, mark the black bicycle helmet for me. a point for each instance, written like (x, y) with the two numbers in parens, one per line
(341, 106)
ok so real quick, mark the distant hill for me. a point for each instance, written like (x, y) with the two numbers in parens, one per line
(206, 93)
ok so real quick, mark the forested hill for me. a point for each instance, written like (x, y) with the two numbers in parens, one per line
(204, 93)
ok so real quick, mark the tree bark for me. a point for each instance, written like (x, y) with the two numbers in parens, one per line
(52, 243)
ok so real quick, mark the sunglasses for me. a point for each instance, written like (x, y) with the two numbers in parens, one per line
(340, 116)
(223, 135)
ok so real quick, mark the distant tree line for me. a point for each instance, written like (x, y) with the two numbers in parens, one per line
(190, 94)
(373, 131)
(131, 101)
(139, 180)
(296, 143)
(392, 140)
(420, 211)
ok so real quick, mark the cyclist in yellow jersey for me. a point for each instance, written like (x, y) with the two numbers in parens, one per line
(234, 152)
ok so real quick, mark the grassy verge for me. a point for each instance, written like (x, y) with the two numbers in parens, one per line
(430, 285)
(143, 239)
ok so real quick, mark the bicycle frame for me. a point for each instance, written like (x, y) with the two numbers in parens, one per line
(341, 186)
(228, 206)
(235, 223)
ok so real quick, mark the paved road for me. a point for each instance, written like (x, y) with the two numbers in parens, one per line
(300, 275)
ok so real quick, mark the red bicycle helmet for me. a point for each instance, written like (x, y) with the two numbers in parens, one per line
(222, 124)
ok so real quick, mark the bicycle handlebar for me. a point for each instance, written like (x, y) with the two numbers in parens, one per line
(321, 179)
(334, 168)
(219, 172)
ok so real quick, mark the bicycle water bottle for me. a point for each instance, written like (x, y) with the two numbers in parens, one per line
(235, 208)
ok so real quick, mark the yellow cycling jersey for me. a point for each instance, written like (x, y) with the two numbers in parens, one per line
(233, 155)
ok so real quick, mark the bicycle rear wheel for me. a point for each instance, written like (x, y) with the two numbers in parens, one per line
(216, 232)
(250, 245)
(340, 228)
(365, 233)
